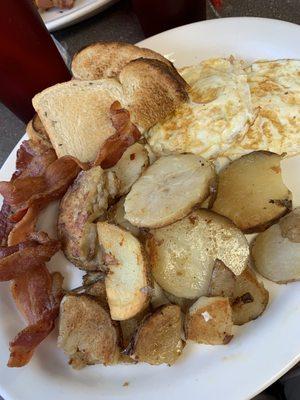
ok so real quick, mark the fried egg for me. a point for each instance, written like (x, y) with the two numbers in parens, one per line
(275, 95)
(218, 113)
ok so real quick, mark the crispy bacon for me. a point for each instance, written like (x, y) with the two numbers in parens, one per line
(126, 135)
(40, 178)
(20, 258)
(38, 191)
(24, 227)
(37, 295)
(5, 224)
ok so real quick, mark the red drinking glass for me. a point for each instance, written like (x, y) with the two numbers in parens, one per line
(29, 59)
(160, 15)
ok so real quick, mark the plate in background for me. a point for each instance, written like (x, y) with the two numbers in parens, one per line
(56, 18)
(261, 350)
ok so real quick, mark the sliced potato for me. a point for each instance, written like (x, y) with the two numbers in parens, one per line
(127, 282)
(250, 298)
(158, 338)
(116, 215)
(276, 252)
(131, 166)
(168, 190)
(251, 191)
(183, 254)
(209, 321)
(85, 201)
(184, 304)
(86, 332)
(222, 281)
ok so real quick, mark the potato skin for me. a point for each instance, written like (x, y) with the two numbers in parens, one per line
(85, 201)
(250, 298)
(251, 192)
(158, 338)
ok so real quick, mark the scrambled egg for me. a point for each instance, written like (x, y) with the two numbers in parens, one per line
(218, 113)
(234, 110)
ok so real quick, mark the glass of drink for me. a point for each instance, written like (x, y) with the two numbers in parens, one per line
(29, 60)
(160, 15)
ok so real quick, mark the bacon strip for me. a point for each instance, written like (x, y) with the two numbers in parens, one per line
(38, 191)
(37, 295)
(126, 135)
(24, 228)
(46, 4)
(18, 259)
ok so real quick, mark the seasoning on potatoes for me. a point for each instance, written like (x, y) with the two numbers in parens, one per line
(158, 338)
(209, 321)
(183, 254)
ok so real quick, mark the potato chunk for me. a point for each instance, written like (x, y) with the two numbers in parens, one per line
(158, 338)
(250, 298)
(127, 282)
(168, 190)
(276, 252)
(182, 255)
(86, 332)
(85, 201)
(131, 166)
(251, 191)
(209, 321)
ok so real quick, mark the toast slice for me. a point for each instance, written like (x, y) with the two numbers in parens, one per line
(107, 59)
(76, 114)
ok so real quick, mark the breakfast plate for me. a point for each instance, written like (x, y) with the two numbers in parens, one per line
(261, 351)
(57, 19)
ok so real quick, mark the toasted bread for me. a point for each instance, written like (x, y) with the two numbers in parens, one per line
(152, 90)
(106, 59)
(76, 114)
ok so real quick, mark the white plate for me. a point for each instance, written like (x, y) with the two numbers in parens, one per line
(57, 19)
(260, 352)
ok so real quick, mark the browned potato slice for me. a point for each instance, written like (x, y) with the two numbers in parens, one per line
(85, 201)
(209, 321)
(131, 166)
(168, 190)
(86, 332)
(276, 252)
(116, 215)
(250, 298)
(251, 191)
(184, 304)
(183, 254)
(129, 326)
(127, 282)
(158, 338)
(222, 281)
